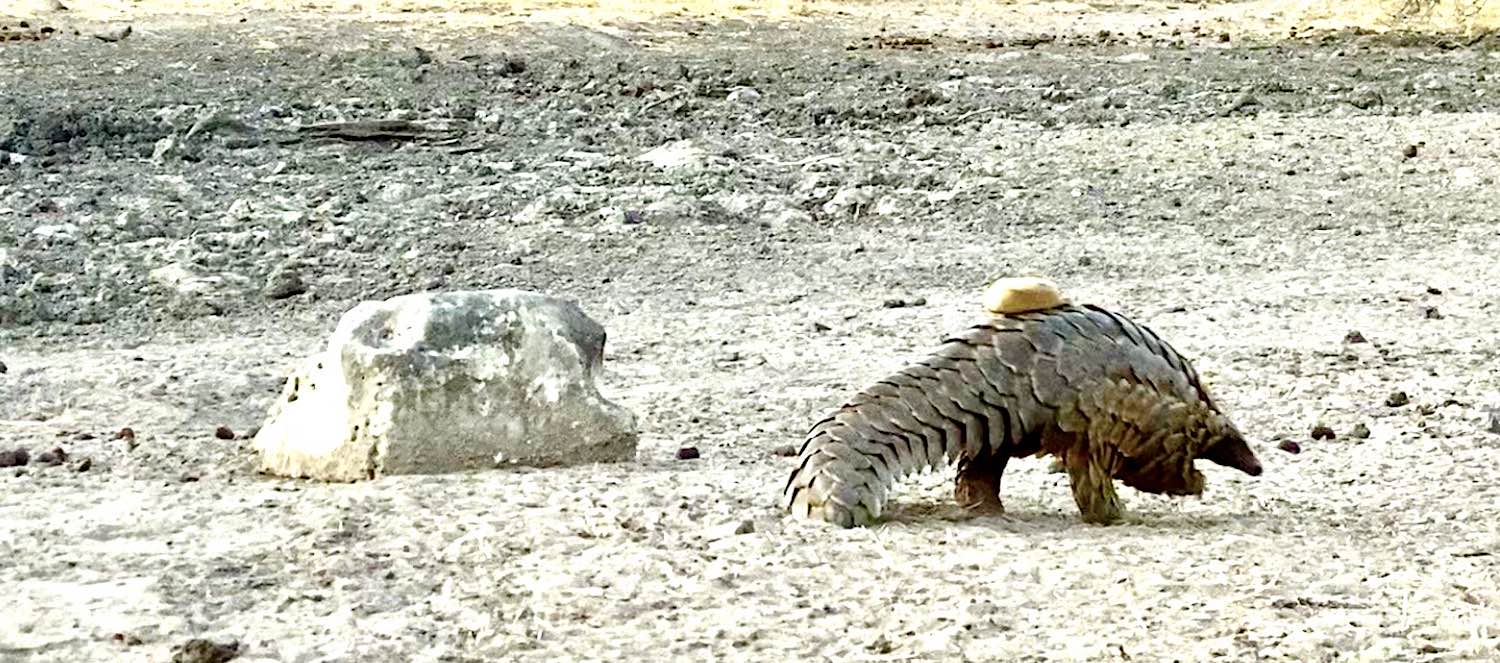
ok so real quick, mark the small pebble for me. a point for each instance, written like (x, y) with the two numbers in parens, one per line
(1397, 399)
(1360, 431)
(1434, 291)
(190, 476)
(113, 35)
(1321, 432)
(3, 368)
(896, 302)
(785, 450)
(128, 435)
(1290, 447)
(687, 453)
(199, 650)
(730, 529)
(1431, 313)
(14, 458)
(224, 433)
(284, 283)
(1492, 423)
(83, 465)
(54, 457)
(820, 327)
(1355, 337)
(1409, 152)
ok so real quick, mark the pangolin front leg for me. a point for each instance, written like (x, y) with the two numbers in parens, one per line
(1093, 486)
(977, 488)
(1091, 470)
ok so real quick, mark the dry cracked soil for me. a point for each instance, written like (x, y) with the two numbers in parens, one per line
(767, 212)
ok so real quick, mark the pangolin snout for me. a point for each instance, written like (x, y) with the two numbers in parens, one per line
(1234, 452)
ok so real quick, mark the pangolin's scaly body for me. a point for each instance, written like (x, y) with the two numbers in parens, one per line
(1105, 395)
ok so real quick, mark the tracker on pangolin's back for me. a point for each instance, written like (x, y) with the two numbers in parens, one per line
(1037, 376)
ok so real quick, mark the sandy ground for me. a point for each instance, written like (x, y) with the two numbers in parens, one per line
(1254, 201)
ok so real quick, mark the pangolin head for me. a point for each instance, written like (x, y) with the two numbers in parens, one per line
(1229, 449)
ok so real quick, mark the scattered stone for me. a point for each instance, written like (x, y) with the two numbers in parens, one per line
(14, 458)
(924, 97)
(284, 283)
(1409, 152)
(84, 465)
(224, 433)
(1492, 422)
(1243, 101)
(128, 435)
(849, 201)
(1366, 97)
(820, 327)
(54, 457)
(1432, 313)
(113, 35)
(3, 368)
(785, 450)
(1355, 337)
(1321, 432)
(897, 302)
(199, 650)
(1434, 291)
(194, 293)
(688, 453)
(165, 149)
(743, 95)
(513, 65)
(1397, 399)
(675, 155)
(1360, 431)
(445, 382)
(418, 57)
(214, 120)
(1290, 446)
(190, 476)
(730, 529)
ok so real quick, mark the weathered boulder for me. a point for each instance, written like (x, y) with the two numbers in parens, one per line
(446, 382)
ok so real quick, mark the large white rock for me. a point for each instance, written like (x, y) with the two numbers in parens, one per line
(446, 382)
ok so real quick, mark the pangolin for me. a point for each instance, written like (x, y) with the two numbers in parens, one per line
(1038, 375)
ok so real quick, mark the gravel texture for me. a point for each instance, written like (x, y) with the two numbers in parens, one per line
(736, 200)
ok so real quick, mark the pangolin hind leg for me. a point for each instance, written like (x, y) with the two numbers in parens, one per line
(977, 488)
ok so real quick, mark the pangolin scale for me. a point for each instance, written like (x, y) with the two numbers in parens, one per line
(1106, 396)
